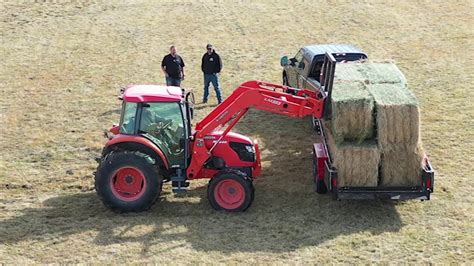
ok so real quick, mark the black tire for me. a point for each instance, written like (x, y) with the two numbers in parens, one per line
(105, 176)
(243, 183)
(285, 79)
(319, 185)
(315, 125)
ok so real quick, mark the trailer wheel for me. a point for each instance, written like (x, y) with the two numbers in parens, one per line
(230, 191)
(319, 185)
(126, 181)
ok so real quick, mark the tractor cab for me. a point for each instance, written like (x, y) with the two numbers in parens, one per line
(160, 114)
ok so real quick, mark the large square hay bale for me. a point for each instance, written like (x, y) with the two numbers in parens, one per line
(398, 130)
(351, 71)
(352, 112)
(401, 166)
(382, 73)
(357, 164)
(397, 115)
(369, 72)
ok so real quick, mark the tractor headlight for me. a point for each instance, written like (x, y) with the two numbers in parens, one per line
(250, 148)
(246, 152)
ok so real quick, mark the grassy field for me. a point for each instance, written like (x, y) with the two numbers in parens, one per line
(61, 66)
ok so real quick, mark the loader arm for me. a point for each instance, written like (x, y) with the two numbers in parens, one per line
(260, 95)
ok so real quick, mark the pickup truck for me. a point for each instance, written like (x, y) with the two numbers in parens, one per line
(304, 69)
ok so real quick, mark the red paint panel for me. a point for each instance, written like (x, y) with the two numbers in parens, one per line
(152, 93)
(121, 138)
(321, 154)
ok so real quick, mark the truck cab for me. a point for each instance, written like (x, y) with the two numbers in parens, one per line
(304, 69)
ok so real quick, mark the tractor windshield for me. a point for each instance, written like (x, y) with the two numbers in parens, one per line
(163, 123)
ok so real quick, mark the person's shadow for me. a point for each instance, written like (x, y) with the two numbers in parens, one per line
(287, 214)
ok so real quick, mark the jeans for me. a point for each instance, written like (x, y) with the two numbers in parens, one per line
(214, 79)
(170, 81)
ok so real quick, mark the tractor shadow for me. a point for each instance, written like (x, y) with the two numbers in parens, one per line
(286, 214)
(279, 226)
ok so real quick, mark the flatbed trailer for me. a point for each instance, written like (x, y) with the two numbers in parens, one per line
(326, 178)
(325, 173)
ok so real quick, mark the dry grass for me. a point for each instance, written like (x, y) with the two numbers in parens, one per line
(60, 71)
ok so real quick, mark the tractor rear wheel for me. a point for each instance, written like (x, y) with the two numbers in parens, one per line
(127, 181)
(230, 191)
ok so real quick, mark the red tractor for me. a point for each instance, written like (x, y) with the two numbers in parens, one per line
(155, 143)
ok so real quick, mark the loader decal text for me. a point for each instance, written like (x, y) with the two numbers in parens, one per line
(272, 101)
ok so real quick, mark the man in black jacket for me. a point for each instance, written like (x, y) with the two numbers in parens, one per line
(173, 68)
(211, 67)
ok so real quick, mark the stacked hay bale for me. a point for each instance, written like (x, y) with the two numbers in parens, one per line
(357, 164)
(374, 135)
(352, 112)
(398, 123)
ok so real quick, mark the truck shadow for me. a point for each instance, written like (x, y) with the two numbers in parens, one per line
(286, 214)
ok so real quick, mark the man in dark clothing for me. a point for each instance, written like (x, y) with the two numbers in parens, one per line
(211, 67)
(173, 67)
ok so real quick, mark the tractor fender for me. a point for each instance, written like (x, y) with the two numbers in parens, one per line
(136, 143)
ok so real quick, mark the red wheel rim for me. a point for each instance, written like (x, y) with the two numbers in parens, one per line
(128, 183)
(229, 194)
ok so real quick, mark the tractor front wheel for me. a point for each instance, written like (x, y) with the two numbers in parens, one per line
(127, 182)
(230, 191)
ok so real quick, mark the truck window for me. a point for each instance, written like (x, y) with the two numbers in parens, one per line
(307, 65)
(299, 56)
(316, 70)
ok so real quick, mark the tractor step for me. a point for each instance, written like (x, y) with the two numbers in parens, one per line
(178, 182)
(179, 186)
(179, 190)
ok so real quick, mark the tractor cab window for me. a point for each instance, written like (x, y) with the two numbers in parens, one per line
(127, 122)
(163, 121)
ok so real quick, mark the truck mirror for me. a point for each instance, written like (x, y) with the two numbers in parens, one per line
(284, 61)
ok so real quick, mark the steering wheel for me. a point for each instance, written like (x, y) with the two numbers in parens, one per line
(159, 128)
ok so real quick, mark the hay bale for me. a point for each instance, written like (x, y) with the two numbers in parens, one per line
(383, 73)
(357, 164)
(397, 115)
(401, 165)
(349, 72)
(352, 112)
(398, 130)
(369, 72)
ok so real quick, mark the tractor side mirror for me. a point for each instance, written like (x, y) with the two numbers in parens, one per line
(284, 61)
